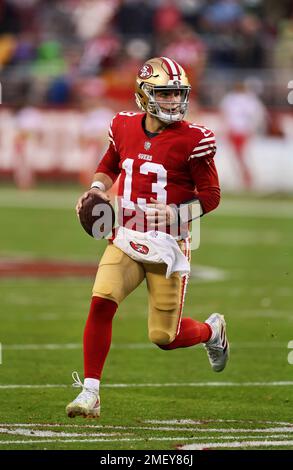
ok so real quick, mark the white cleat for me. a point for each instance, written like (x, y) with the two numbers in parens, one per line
(217, 347)
(86, 404)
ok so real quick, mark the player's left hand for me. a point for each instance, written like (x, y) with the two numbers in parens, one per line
(159, 214)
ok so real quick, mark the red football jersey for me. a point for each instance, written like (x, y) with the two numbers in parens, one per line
(173, 167)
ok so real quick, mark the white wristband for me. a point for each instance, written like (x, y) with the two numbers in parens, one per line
(98, 185)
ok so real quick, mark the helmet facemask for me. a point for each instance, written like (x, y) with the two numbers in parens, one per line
(166, 109)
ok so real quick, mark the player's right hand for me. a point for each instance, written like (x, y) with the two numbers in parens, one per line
(102, 194)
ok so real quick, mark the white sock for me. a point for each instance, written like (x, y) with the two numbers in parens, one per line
(92, 384)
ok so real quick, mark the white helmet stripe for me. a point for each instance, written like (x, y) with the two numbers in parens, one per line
(172, 67)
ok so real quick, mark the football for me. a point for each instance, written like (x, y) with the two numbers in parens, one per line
(97, 216)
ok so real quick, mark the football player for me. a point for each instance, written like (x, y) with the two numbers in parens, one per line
(163, 162)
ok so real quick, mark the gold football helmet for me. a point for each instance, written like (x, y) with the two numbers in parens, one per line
(159, 83)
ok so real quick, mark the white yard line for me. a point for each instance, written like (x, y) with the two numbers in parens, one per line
(177, 438)
(266, 313)
(23, 347)
(237, 438)
(14, 386)
(23, 430)
(180, 422)
(58, 346)
(29, 432)
(208, 445)
(228, 430)
(40, 347)
(170, 422)
(161, 385)
(254, 208)
(196, 438)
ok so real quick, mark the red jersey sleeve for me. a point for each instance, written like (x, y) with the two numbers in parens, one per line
(110, 163)
(203, 170)
(205, 177)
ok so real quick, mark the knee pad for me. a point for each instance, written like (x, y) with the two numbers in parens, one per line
(108, 292)
(117, 276)
(160, 337)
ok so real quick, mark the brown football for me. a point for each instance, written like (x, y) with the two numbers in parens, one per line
(97, 216)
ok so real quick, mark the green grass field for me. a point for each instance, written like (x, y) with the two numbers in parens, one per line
(151, 399)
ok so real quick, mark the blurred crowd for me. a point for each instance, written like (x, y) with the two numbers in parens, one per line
(63, 52)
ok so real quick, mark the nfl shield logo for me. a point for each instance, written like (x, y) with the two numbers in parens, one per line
(147, 145)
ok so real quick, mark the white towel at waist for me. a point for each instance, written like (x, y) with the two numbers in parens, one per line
(153, 247)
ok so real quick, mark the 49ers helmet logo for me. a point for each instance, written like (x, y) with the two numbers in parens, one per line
(139, 248)
(146, 71)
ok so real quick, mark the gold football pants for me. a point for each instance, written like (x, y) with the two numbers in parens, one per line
(118, 275)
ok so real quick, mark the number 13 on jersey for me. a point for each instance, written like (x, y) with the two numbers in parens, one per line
(158, 187)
